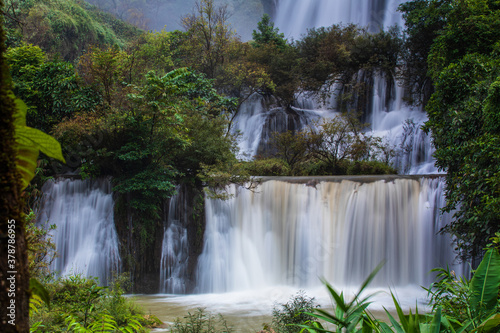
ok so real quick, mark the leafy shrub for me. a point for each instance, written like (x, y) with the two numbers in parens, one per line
(457, 305)
(65, 27)
(451, 293)
(471, 302)
(370, 168)
(268, 167)
(201, 321)
(80, 304)
(312, 168)
(293, 312)
(41, 249)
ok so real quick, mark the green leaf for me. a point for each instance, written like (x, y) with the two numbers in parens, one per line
(367, 281)
(447, 325)
(485, 284)
(27, 136)
(436, 321)
(394, 323)
(324, 315)
(401, 315)
(26, 163)
(366, 327)
(338, 298)
(489, 324)
(384, 328)
(20, 113)
(38, 289)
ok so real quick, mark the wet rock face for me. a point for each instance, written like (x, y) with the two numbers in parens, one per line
(182, 241)
(278, 120)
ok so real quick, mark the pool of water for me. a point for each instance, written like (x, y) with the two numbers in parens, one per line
(248, 311)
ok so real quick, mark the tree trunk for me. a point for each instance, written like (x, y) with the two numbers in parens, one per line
(14, 278)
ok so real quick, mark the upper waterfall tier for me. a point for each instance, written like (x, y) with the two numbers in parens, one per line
(398, 124)
(294, 17)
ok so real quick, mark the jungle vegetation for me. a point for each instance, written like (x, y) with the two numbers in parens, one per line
(153, 109)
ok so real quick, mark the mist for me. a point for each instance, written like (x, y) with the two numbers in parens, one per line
(156, 15)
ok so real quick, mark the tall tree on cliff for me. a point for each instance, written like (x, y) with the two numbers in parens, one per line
(460, 41)
(14, 286)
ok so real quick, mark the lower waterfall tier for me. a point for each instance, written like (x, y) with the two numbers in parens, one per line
(84, 234)
(287, 232)
(293, 234)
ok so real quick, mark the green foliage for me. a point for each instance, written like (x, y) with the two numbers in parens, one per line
(268, 34)
(291, 147)
(287, 315)
(51, 89)
(201, 322)
(23, 57)
(324, 57)
(413, 323)
(336, 54)
(65, 27)
(166, 130)
(41, 249)
(458, 306)
(460, 39)
(209, 37)
(370, 168)
(282, 66)
(151, 51)
(471, 305)
(29, 142)
(343, 139)
(485, 286)
(268, 167)
(101, 68)
(36, 288)
(338, 146)
(451, 293)
(423, 19)
(347, 315)
(81, 305)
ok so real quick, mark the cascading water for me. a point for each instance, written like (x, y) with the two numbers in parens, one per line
(85, 236)
(389, 117)
(293, 18)
(175, 251)
(340, 229)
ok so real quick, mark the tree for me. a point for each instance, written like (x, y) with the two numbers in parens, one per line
(14, 293)
(340, 139)
(463, 118)
(52, 89)
(282, 66)
(423, 20)
(268, 34)
(171, 126)
(102, 68)
(65, 27)
(347, 57)
(19, 150)
(209, 37)
(291, 147)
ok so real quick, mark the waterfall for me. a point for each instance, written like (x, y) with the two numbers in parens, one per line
(399, 124)
(175, 251)
(288, 233)
(85, 236)
(293, 18)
